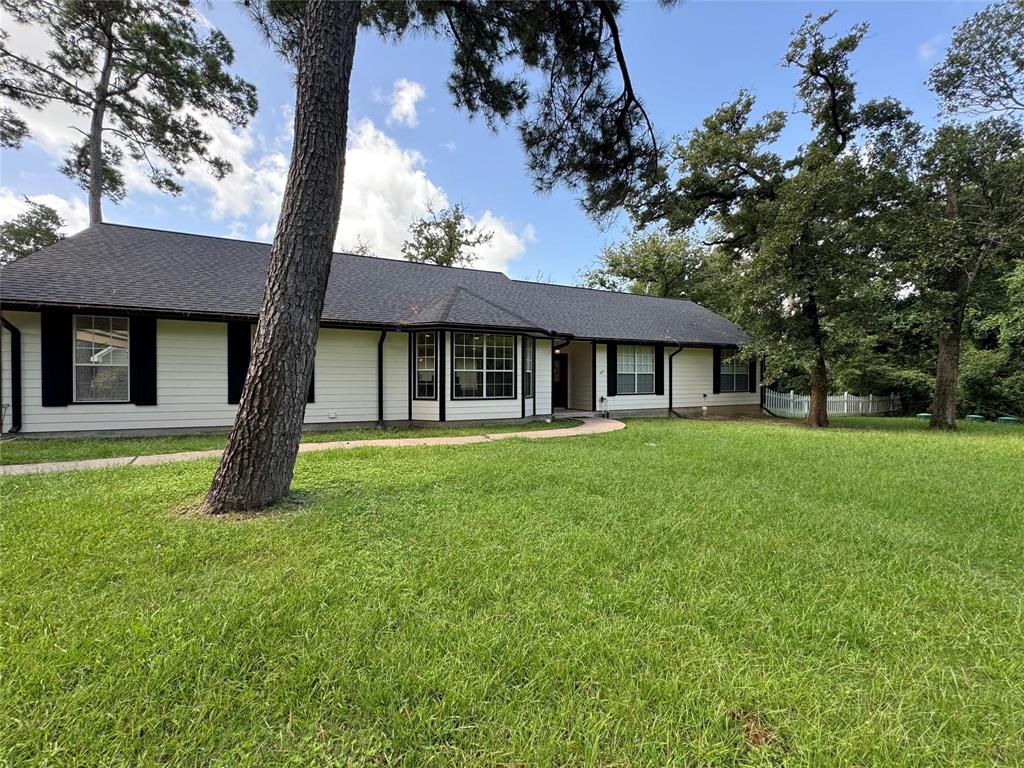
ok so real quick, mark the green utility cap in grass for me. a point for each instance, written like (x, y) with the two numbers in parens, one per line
(924, 416)
(975, 417)
(1007, 420)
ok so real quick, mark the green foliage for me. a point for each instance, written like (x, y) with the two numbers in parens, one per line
(76, 166)
(12, 129)
(142, 68)
(655, 263)
(555, 68)
(445, 238)
(992, 381)
(794, 230)
(849, 597)
(983, 70)
(29, 231)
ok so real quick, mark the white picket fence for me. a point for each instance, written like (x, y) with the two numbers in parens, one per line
(794, 406)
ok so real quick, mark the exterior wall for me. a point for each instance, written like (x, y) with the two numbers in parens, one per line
(692, 379)
(5, 379)
(192, 381)
(692, 385)
(542, 375)
(581, 375)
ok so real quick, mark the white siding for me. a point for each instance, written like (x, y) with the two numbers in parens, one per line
(631, 402)
(543, 376)
(473, 410)
(5, 379)
(192, 381)
(396, 377)
(693, 377)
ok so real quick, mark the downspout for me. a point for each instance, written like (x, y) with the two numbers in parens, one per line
(15, 374)
(380, 378)
(593, 376)
(555, 348)
(671, 410)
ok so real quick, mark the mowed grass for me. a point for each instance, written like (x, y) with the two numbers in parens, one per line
(677, 593)
(32, 450)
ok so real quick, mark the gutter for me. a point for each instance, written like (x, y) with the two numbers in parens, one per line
(15, 374)
(671, 410)
(380, 377)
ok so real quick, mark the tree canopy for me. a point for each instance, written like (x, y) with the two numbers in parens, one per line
(33, 229)
(143, 74)
(983, 70)
(446, 238)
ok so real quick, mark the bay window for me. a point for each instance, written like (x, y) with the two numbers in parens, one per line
(426, 366)
(483, 366)
(529, 354)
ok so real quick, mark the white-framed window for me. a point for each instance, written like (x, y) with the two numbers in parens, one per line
(529, 354)
(483, 366)
(734, 374)
(635, 370)
(426, 366)
(101, 359)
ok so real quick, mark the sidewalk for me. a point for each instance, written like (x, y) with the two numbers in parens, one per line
(590, 426)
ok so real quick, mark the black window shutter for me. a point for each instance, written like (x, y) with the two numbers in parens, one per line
(142, 359)
(239, 351)
(613, 370)
(311, 394)
(57, 349)
(716, 370)
(752, 374)
(659, 369)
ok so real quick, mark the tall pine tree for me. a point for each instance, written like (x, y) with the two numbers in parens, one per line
(581, 124)
(140, 71)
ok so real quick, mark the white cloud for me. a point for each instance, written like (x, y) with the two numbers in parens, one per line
(404, 96)
(929, 50)
(73, 210)
(386, 185)
(505, 245)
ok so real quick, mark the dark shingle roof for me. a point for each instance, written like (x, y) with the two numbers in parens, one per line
(131, 268)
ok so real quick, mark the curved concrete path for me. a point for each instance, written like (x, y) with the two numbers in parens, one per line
(591, 425)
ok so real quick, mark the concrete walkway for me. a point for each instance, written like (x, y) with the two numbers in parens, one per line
(590, 426)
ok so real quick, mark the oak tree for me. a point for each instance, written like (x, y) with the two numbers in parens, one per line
(792, 226)
(29, 231)
(445, 238)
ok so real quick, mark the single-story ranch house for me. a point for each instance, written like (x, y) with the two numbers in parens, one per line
(120, 328)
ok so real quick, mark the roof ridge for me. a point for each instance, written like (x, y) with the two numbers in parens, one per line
(606, 291)
(499, 306)
(266, 244)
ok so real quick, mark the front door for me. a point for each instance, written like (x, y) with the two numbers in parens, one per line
(560, 382)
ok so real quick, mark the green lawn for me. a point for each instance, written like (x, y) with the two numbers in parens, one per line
(29, 450)
(678, 593)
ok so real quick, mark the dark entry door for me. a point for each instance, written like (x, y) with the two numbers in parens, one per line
(560, 382)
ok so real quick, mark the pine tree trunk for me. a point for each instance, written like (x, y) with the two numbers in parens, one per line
(95, 141)
(817, 410)
(947, 370)
(257, 466)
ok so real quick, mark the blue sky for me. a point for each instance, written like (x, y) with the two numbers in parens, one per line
(409, 145)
